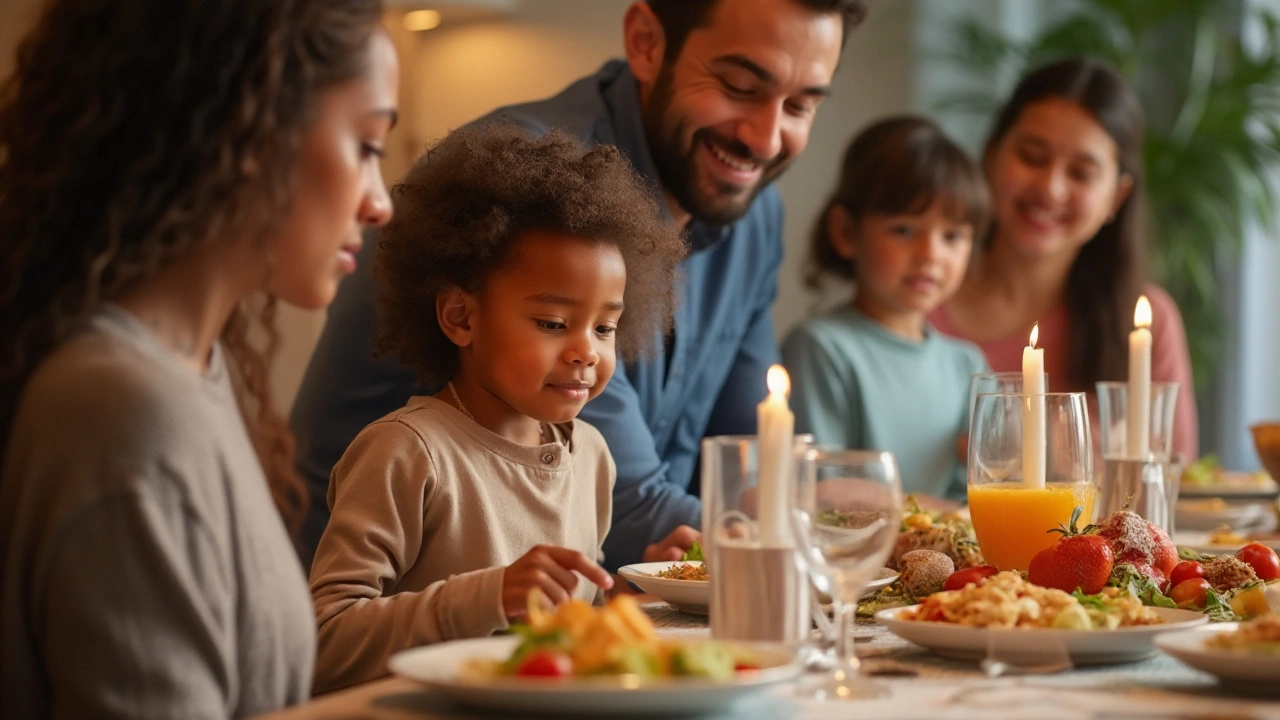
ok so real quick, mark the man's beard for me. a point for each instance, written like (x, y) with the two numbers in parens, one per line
(677, 165)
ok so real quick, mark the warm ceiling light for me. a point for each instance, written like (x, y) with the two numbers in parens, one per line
(419, 20)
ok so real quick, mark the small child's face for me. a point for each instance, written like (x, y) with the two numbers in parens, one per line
(907, 265)
(543, 333)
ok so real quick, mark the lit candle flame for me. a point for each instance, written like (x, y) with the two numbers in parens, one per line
(1035, 334)
(1142, 313)
(778, 381)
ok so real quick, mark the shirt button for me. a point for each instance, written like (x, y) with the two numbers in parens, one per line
(548, 458)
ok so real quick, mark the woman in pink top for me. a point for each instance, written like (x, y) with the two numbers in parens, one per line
(1067, 248)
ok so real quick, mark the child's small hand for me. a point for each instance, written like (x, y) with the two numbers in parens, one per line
(673, 546)
(551, 570)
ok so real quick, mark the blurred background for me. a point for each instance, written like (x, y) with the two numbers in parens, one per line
(1208, 72)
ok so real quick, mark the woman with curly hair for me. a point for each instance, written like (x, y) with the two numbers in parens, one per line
(503, 279)
(156, 197)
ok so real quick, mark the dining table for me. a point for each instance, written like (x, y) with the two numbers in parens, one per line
(917, 685)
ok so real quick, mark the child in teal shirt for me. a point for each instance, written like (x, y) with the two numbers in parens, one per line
(874, 374)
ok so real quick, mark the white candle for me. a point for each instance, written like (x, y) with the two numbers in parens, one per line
(776, 434)
(1138, 422)
(1033, 419)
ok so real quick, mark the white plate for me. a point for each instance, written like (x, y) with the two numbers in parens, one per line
(1200, 543)
(1234, 485)
(1236, 667)
(1084, 647)
(438, 667)
(692, 596)
(1234, 516)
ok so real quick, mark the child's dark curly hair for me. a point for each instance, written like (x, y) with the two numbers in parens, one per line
(466, 202)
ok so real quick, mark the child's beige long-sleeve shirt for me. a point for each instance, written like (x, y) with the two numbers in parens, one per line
(428, 509)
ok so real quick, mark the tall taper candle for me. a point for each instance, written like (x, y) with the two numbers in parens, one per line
(1033, 419)
(776, 433)
(1138, 423)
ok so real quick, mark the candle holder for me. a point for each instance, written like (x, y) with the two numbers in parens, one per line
(758, 590)
(1113, 420)
(1136, 485)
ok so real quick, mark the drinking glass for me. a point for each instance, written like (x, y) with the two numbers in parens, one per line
(848, 508)
(996, 382)
(1113, 439)
(1113, 419)
(1020, 490)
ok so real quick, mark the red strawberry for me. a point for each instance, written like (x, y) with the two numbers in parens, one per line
(1165, 555)
(1076, 560)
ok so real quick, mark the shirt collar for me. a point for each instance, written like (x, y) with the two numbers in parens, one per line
(622, 96)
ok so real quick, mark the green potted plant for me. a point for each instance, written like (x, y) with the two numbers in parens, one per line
(1208, 75)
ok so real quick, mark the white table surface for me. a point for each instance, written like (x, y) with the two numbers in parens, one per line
(923, 686)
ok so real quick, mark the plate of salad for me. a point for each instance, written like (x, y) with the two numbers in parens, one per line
(1207, 478)
(603, 661)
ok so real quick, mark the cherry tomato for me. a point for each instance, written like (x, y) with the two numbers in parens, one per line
(545, 663)
(745, 666)
(968, 576)
(1190, 594)
(1262, 559)
(1186, 570)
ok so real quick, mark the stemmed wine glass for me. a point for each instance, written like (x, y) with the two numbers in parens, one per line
(845, 518)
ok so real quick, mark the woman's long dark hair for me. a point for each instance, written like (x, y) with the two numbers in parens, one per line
(131, 132)
(1107, 276)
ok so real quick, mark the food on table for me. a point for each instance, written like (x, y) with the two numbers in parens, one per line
(576, 639)
(1078, 560)
(1224, 535)
(1186, 570)
(1012, 522)
(1253, 600)
(1207, 472)
(694, 553)
(969, 576)
(924, 571)
(1263, 560)
(1006, 600)
(1138, 542)
(686, 571)
(1261, 635)
(1225, 572)
(1207, 505)
(1191, 594)
(946, 533)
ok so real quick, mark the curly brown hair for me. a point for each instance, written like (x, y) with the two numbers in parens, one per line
(463, 206)
(898, 165)
(118, 155)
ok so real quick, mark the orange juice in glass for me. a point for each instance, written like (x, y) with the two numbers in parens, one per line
(1012, 522)
(1012, 513)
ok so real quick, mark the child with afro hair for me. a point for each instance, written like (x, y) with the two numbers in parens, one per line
(516, 272)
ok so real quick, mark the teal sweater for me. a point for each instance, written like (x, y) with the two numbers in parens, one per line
(859, 386)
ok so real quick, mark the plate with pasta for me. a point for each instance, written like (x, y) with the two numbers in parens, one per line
(1007, 611)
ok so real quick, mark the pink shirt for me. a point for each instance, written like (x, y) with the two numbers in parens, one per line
(1169, 360)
